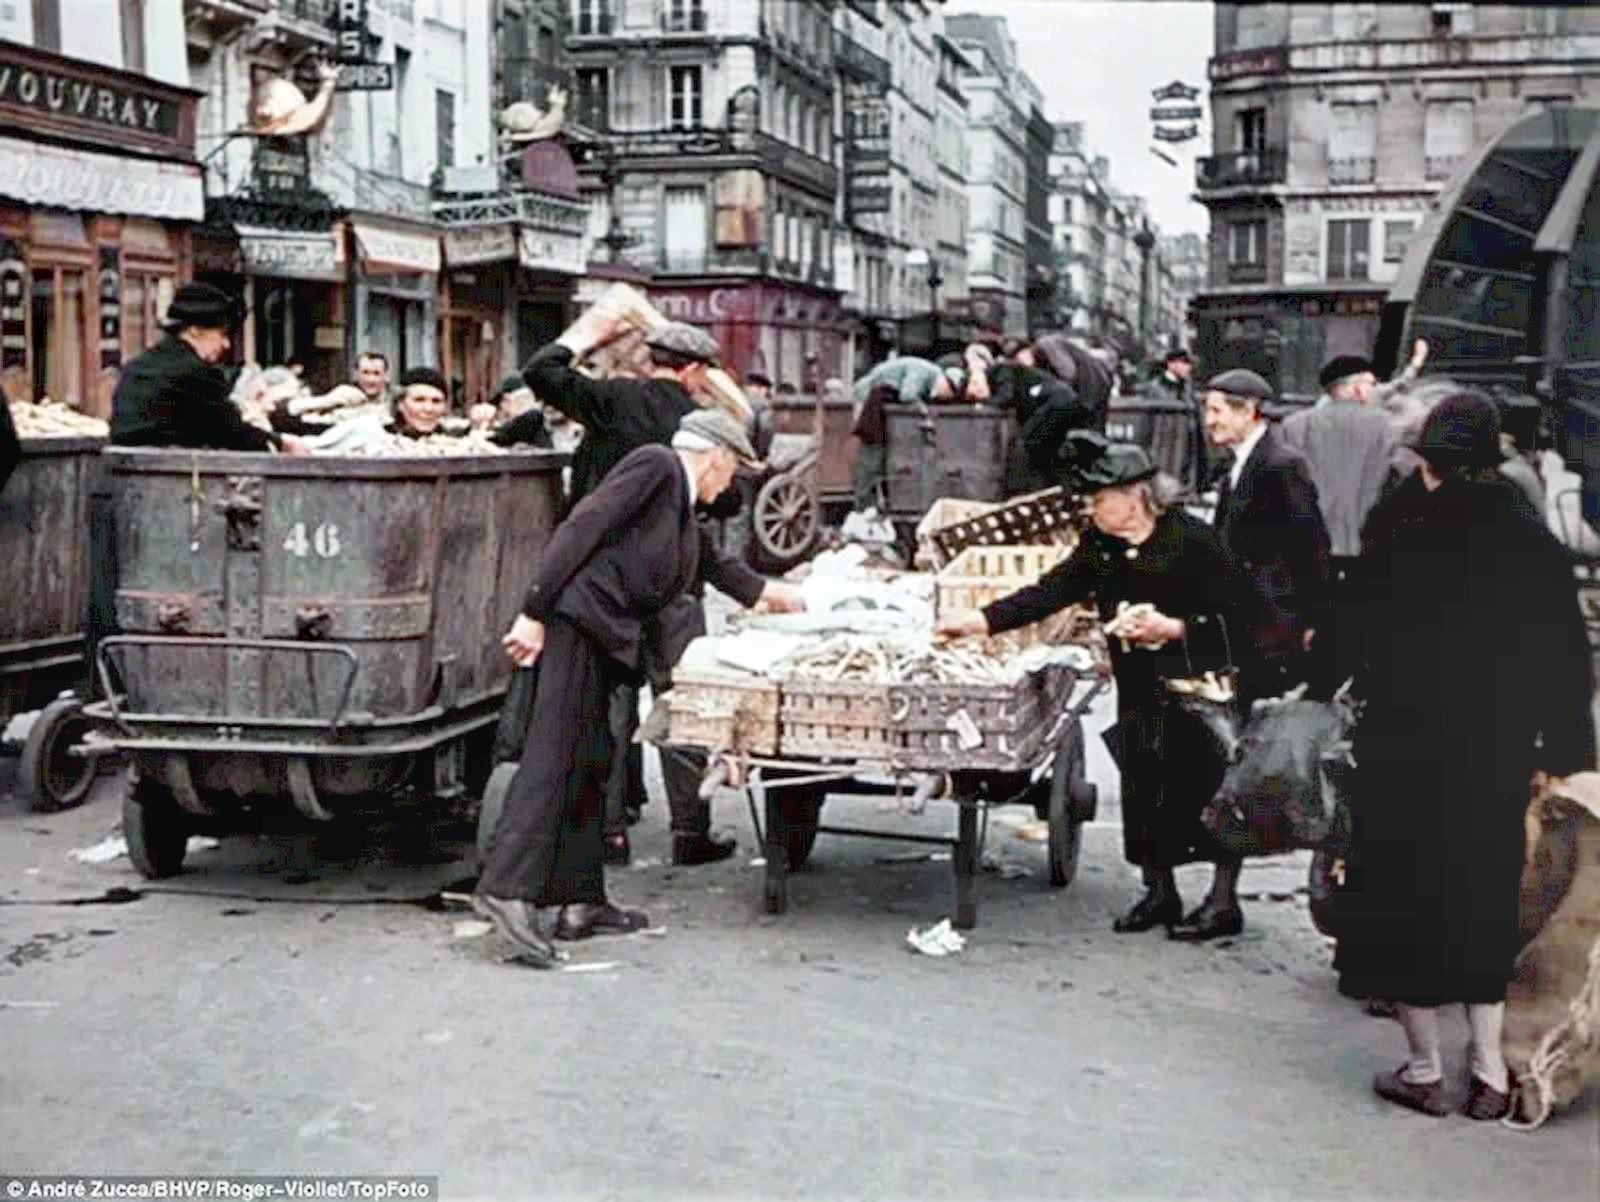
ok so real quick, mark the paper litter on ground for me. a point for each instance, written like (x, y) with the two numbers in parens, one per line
(941, 939)
(471, 928)
(114, 847)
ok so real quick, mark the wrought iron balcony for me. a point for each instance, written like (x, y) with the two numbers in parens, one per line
(857, 61)
(534, 209)
(1241, 168)
(1352, 171)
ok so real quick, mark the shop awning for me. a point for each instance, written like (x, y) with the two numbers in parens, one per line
(384, 248)
(65, 178)
(291, 254)
(480, 244)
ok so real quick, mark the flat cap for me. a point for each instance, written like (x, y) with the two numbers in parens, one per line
(1463, 430)
(1093, 462)
(511, 383)
(428, 377)
(1242, 382)
(683, 339)
(1342, 367)
(705, 428)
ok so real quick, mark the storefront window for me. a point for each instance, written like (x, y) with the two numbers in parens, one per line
(59, 342)
(144, 301)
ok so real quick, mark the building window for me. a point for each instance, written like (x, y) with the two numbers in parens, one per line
(1450, 19)
(1446, 136)
(60, 335)
(1247, 243)
(593, 85)
(444, 116)
(1354, 22)
(133, 35)
(685, 16)
(1250, 131)
(591, 16)
(683, 97)
(47, 24)
(684, 231)
(1395, 236)
(1348, 258)
(1353, 144)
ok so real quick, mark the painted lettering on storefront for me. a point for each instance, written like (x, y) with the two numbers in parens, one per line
(715, 304)
(50, 92)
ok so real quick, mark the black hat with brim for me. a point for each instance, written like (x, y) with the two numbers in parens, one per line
(1091, 462)
(204, 306)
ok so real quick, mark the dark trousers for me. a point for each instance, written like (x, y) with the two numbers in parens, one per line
(682, 768)
(547, 846)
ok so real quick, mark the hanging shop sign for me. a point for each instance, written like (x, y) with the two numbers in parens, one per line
(385, 249)
(290, 255)
(480, 244)
(109, 278)
(352, 36)
(13, 306)
(282, 167)
(1176, 112)
(867, 131)
(1176, 90)
(60, 178)
(550, 250)
(1180, 133)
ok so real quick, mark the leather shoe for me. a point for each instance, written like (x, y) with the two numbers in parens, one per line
(616, 849)
(694, 849)
(517, 922)
(1429, 1099)
(1485, 1102)
(1157, 908)
(1206, 923)
(580, 921)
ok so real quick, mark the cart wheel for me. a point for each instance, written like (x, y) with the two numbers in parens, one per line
(785, 520)
(1072, 800)
(801, 810)
(155, 826)
(49, 776)
(494, 803)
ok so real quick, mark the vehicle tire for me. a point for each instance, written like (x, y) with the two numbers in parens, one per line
(49, 776)
(492, 805)
(785, 521)
(155, 827)
(1072, 801)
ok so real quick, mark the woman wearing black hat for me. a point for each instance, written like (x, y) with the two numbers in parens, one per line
(1469, 651)
(174, 395)
(1140, 552)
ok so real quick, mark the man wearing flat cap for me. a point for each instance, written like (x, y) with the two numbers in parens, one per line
(1269, 523)
(174, 395)
(623, 555)
(619, 416)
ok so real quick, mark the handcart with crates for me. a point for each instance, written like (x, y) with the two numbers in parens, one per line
(786, 741)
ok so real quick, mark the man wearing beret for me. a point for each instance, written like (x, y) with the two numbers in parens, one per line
(1269, 523)
(174, 395)
(620, 558)
(619, 416)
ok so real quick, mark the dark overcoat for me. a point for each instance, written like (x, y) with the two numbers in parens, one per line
(10, 444)
(1470, 655)
(1168, 776)
(169, 397)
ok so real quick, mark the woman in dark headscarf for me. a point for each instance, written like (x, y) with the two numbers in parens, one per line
(1469, 650)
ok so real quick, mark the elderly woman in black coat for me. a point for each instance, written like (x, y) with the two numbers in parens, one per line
(1469, 651)
(1139, 551)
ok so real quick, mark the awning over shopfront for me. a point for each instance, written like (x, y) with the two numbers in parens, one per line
(63, 178)
(292, 254)
(389, 249)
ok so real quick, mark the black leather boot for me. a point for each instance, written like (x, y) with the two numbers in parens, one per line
(1160, 906)
(695, 848)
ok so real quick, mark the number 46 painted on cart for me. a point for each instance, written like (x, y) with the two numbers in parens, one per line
(323, 541)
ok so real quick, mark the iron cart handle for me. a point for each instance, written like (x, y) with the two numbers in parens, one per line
(103, 666)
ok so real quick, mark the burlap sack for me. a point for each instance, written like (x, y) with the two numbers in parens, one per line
(1552, 1029)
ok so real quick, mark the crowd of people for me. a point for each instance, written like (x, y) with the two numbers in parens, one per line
(1376, 540)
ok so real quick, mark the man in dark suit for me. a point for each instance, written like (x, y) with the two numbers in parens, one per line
(10, 444)
(175, 395)
(1270, 525)
(622, 556)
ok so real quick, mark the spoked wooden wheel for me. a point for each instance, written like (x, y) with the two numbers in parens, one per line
(786, 519)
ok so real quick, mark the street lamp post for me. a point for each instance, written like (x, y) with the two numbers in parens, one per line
(919, 257)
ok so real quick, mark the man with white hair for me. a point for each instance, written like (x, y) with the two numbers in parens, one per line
(623, 555)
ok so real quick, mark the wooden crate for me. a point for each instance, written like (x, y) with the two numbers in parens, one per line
(724, 713)
(980, 576)
(1038, 518)
(911, 725)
